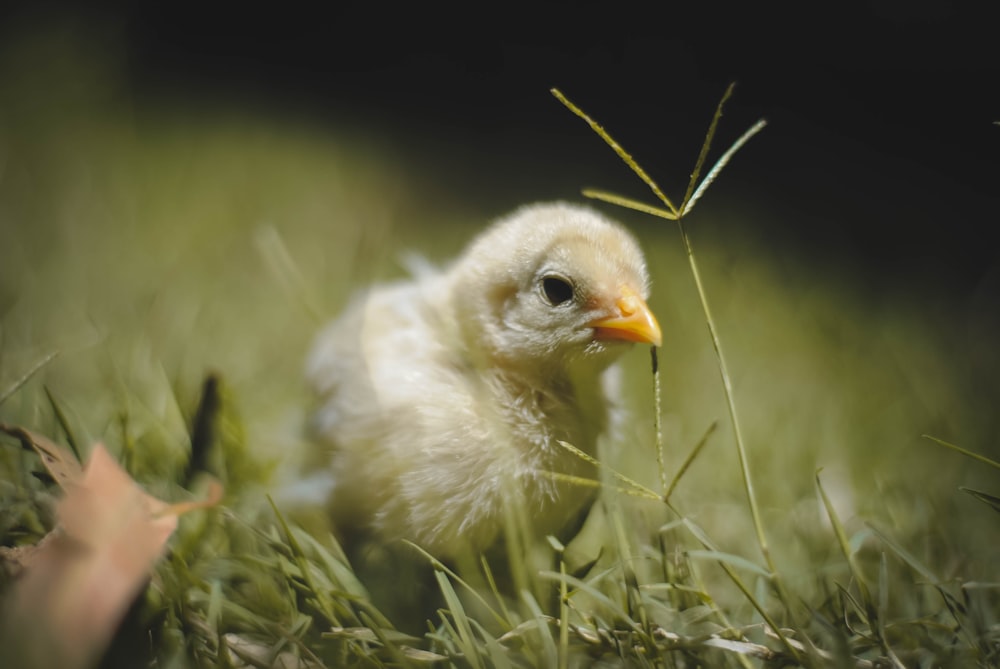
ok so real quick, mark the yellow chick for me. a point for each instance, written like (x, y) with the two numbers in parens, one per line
(441, 396)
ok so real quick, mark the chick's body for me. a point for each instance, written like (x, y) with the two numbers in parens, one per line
(444, 398)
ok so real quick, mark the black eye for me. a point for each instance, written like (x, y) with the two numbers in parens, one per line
(557, 290)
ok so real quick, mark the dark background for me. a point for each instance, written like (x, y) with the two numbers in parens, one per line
(881, 144)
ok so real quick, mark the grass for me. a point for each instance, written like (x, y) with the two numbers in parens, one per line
(161, 280)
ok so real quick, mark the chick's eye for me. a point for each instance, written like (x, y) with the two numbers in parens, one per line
(557, 290)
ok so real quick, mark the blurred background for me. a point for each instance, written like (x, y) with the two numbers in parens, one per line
(186, 189)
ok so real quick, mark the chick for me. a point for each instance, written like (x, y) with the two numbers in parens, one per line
(442, 398)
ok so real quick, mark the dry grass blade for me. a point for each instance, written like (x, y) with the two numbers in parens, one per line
(703, 298)
(657, 421)
(630, 484)
(583, 482)
(706, 146)
(689, 460)
(727, 385)
(616, 147)
(279, 260)
(34, 369)
(965, 452)
(629, 203)
(60, 462)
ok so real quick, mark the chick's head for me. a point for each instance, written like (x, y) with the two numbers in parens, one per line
(552, 286)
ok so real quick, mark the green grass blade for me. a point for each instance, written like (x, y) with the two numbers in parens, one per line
(63, 423)
(613, 607)
(390, 647)
(636, 606)
(729, 558)
(883, 612)
(700, 535)
(467, 643)
(499, 656)
(906, 556)
(322, 601)
(563, 616)
(508, 620)
(549, 648)
(984, 497)
(440, 567)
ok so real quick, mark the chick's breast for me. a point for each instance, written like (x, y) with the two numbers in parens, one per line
(442, 398)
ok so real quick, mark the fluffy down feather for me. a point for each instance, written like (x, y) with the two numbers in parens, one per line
(442, 398)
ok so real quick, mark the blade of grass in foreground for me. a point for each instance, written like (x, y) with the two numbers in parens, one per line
(883, 612)
(438, 566)
(617, 148)
(703, 298)
(661, 462)
(14, 387)
(689, 460)
(465, 639)
(705, 148)
(965, 452)
(845, 548)
(990, 500)
(632, 487)
(551, 655)
(721, 163)
(696, 274)
(63, 421)
(298, 555)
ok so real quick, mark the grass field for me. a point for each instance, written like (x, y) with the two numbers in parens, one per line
(145, 248)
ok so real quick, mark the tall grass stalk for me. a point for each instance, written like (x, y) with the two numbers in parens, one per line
(693, 193)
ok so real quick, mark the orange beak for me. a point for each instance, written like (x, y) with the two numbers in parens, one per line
(634, 322)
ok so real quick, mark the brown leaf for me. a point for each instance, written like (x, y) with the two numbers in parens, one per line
(78, 585)
(60, 461)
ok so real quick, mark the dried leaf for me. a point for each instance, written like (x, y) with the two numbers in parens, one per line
(250, 653)
(80, 582)
(59, 461)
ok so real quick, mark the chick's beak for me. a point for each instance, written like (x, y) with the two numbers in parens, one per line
(634, 321)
